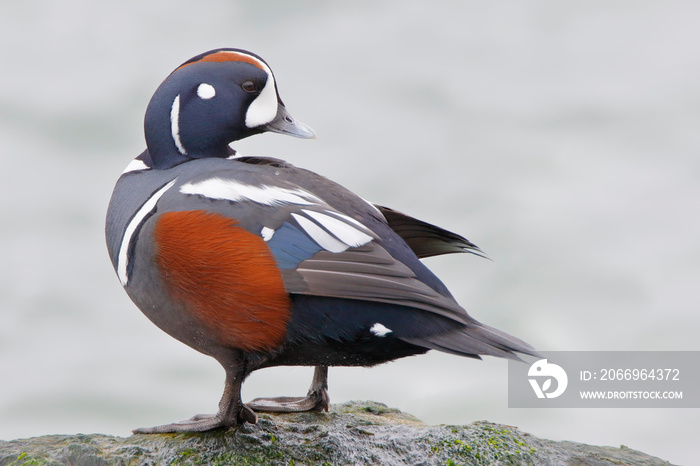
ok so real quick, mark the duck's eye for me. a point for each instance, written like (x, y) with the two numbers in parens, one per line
(249, 86)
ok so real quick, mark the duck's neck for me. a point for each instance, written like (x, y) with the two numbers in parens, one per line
(165, 161)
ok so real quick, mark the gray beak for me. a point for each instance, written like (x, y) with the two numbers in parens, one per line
(284, 123)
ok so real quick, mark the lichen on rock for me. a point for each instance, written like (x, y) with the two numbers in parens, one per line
(351, 433)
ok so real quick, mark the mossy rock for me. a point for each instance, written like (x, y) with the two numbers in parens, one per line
(351, 433)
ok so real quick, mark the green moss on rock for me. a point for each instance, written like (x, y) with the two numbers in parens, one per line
(351, 433)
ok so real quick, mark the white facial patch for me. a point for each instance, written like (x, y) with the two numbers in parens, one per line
(230, 190)
(175, 125)
(264, 108)
(136, 220)
(206, 91)
(380, 330)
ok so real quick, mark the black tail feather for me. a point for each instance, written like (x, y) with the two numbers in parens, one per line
(476, 340)
(425, 239)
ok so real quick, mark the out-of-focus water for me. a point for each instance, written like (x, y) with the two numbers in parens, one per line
(562, 138)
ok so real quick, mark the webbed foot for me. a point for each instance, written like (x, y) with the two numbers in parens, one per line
(316, 400)
(203, 423)
(291, 404)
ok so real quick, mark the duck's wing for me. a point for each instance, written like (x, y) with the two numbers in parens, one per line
(329, 243)
(341, 250)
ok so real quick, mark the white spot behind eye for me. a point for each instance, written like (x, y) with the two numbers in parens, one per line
(206, 91)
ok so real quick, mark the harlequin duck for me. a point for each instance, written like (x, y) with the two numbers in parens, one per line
(258, 263)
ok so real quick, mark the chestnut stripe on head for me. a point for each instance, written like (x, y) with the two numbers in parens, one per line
(264, 108)
(229, 55)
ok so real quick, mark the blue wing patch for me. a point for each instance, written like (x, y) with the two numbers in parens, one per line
(291, 246)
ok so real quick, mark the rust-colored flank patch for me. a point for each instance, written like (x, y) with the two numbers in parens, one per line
(226, 276)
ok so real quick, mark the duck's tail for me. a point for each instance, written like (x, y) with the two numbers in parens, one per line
(475, 340)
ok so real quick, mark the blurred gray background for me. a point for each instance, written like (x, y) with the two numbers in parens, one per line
(561, 137)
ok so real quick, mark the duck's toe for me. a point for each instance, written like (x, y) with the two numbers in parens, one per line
(314, 401)
(202, 423)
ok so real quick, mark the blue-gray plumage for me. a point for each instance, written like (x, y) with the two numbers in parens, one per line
(258, 263)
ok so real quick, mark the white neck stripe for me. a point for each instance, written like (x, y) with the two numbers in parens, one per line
(136, 220)
(175, 125)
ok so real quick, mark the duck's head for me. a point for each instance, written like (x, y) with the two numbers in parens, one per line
(211, 100)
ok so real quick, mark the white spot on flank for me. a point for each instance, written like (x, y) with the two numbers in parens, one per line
(267, 233)
(230, 190)
(380, 330)
(206, 91)
(136, 220)
(175, 125)
(264, 108)
(135, 165)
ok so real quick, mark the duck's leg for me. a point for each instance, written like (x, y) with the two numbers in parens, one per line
(232, 411)
(316, 400)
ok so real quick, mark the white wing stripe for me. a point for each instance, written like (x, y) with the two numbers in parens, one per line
(349, 219)
(318, 234)
(230, 190)
(146, 208)
(374, 207)
(348, 234)
(332, 230)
